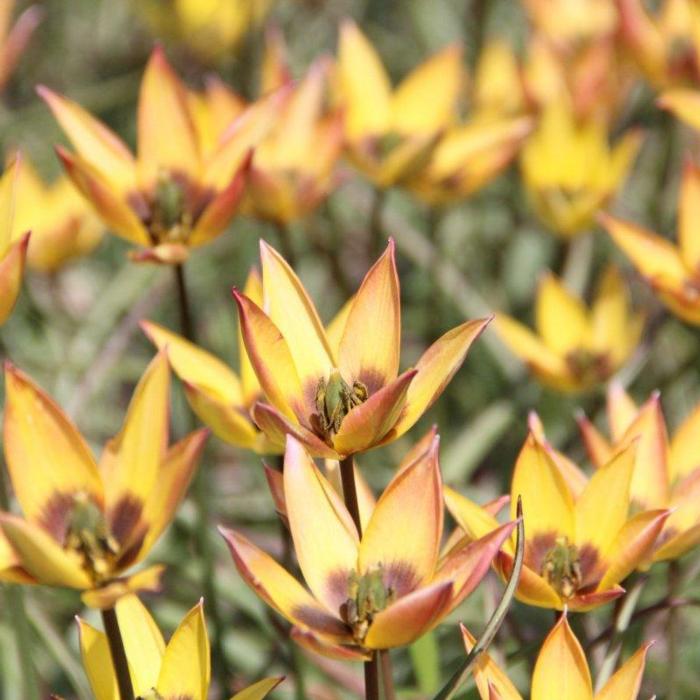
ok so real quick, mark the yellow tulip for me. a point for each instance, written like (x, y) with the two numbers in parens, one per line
(673, 271)
(390, 134)
(174, 196)
(63, 224)
(179, 669)
(14, 37)
(581, 541)
(85, 525)
(570, 23)
(561, 672)
(570, 171)
(339, 392)
(575, 348)
(377, 591)
(667, 474)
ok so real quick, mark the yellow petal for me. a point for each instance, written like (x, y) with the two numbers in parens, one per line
(249, 381)
(475, 520)
(326, 545)
(95, 143)
(488, 674)
(426, 100)
(186, 667)
(532, 588)
(371, 342)
(411, 502)
(164, 145)
(684, 458)
(688, 216)
(147, 580)
(621, 410)
(561, 670)
(258, 690)
(684, 103)
(560, 317)
(598, 448)
(627, 681)
(97, 661)
(336, 328)
(11, 273)
(45, 473)
(364, 84)
(13, 176)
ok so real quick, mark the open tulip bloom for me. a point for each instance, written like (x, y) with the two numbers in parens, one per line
(171, 197)
(376, 591)
(174, 671)
(581, 541)
(339, 392)
(85, 525)
(561, 672)
(667, 474)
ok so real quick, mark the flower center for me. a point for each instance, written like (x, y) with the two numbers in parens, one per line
(335, 398)
(368, 596)
(170, 221)
(561, 567)
(588, 366)
(88, 535)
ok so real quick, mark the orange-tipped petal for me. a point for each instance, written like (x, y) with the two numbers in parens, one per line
(96, 144)
(583, 602)
(249, 382)
(326, 545)
(411, 502)
(474, 519)
(684, 457)
(561, 670)
(279, 589)
(46, 473)
(627, 681)
(688, 213)
(373, 421)
(532, 588)
(164, 144)
(145, 581)
(435, 368)
(97, 661)
(258, 690)
(11, 272)
(621, 410)
(598, 448)
(319, 645)
(409, 617)
(371, 341)
(488, 675)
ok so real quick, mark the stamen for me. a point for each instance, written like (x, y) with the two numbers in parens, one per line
(170, 221)
(335, 399)
(561, 567)
(368, 596)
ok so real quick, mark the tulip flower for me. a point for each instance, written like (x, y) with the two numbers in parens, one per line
(571, 23)
(14, 38)
(575, 348)
(13, 250)
(667, 474)
(672, 271)
(159, 671)
(571, 171)
(171, 198)
(390, 134)
(561, 671)
(340, 392)
(377, 591)
(85, 525)
(219, 397)
(580, 544)
(664, 45)
(63, 225)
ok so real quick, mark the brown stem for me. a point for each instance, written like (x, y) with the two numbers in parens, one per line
(372, 678)
(387, 675)
(116, 650)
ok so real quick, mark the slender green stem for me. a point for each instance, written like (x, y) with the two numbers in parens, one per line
(201, 496)
(387, 675)
(116, 650)
(673, 632)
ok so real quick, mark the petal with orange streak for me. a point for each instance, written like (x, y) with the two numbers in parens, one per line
(627, 681)
(488, 675)
(11, 272)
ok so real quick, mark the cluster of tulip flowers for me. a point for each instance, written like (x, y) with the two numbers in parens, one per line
(378, 572)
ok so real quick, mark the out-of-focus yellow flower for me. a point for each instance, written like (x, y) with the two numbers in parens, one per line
(210, 28)
(665, 45)
(339, 392)
(84, 524)
(220, 398)
(667, 474)
(63, 224)
(575, 348)
(571, 23)
(390, 134)
(174, 196)
(561, 672)
(672, 271)
(581, 541)
(13, 250)
(570, 170)
(377, 591)
(14, 38)
(179, 669)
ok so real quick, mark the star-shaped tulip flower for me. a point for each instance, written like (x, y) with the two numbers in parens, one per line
(667, 474)
(173, 196)
(159, 671)
(561, 672)
(86, 525)
(14, 37)
(13, 250)
(672, 271)
(581, 541)
(377, 591)
(575, 348)
(339, 392)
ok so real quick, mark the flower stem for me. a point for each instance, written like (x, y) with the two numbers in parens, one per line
(672, 631)
(201, 497)
(387, 675)
(116, 650)
(347, 478)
